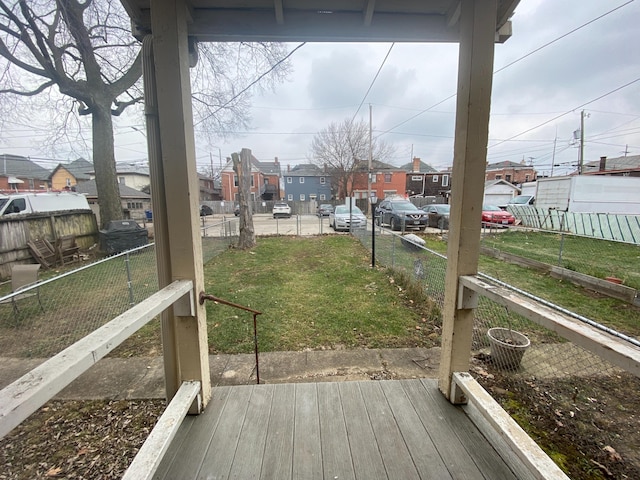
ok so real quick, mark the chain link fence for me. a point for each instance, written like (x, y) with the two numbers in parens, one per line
(524, 364)
(71, 305)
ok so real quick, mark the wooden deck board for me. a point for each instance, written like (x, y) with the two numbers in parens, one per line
(336, 452)
(347, 430)
(278, 453)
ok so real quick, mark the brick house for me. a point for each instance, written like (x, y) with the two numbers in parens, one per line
(265, 180)
(18, 173)
(385, 180)
(512, 172)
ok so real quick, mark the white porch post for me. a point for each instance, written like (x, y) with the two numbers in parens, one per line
(183, 247)
(475, 71)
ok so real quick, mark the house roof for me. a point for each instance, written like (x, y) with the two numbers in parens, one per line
(377, 165)
(306, 170)
(269, 168)
(507, 164)
(133, 168)
(491, 183)
(79, 168)
(422, 168)
(18, 166)
(89, 189)
(631, 162)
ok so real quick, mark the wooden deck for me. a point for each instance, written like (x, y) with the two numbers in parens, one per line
(397, 429)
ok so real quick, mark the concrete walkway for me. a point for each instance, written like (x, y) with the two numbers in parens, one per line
(143, 377)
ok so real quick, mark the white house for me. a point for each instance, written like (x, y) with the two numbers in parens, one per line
(499, 192)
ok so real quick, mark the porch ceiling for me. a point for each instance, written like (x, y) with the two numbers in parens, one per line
(323, 21)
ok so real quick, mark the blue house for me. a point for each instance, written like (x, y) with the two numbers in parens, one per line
(307, 182)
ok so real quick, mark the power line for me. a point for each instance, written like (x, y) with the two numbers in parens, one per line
(372, 82)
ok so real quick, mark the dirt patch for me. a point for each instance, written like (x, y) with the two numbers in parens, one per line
(590, 426)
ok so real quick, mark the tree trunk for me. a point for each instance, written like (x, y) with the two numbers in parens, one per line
(105, 166)
(242, 167)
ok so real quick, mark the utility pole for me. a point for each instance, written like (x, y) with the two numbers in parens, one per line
(369, 207)
(581, 162)
(553, 156)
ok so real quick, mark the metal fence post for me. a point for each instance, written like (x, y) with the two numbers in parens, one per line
(561, 239)
(393, 251)
(129, 285)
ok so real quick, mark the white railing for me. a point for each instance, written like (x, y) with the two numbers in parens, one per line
(24, 396)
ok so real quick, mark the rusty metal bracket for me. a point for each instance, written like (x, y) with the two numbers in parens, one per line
(204, 296)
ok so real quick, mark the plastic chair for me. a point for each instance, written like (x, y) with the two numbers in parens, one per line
(22, 277)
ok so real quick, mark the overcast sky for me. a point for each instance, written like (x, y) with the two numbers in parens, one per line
(537, 101)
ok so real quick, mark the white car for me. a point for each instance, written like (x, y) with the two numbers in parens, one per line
(344, 218)
(281, 209)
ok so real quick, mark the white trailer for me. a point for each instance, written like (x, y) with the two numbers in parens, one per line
(590, 194)
(21, 203)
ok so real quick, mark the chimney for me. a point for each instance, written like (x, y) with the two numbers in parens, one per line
(416, 164)
(603, 164)
(288, 167)
(276, 161)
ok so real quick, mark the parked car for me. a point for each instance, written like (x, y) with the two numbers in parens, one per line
(325, 210)
(493, 215)
(439, 216)
(281, 209)
(400, 214)
(236, 210)
(205, 210)
(345, 218)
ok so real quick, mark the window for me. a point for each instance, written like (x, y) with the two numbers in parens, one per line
(323, 196)
(445, 180)
(507, 178)
(416, 178)
(121, 180)
(301, 179)
(322, 181)
(387, 178)
(235, 180)
(289, 180)
(373, 177)
(302, 198)
(498, 177)
(434, 179)
(290, 197)
(68, 182)
(526, 178)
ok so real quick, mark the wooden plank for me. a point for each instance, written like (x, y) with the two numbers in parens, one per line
(453, 453)
(395, 454)
(520, 444)
(479, 451)
(609, 348)
(148, 458)
(367, 461)
(336, 453)
(184, 459)
(424, 453)
(252, 440)
(31, 391)
(278, 453)
(307, 454)
(222, 450)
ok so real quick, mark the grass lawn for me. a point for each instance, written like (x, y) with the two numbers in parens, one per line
(600, 308)
(314, 293)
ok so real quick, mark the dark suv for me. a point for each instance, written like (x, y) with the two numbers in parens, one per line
(400, 214)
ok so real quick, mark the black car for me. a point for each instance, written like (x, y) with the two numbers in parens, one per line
(236, 210)
(400, 214)
(439, 216)
(325, 210)
(205, 210)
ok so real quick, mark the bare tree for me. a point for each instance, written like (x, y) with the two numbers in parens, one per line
(342, 149)
(242, 168)
(72, 58)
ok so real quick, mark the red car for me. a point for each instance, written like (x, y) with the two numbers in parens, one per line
(495, 216)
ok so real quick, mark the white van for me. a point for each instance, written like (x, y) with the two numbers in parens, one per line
(20, 203)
